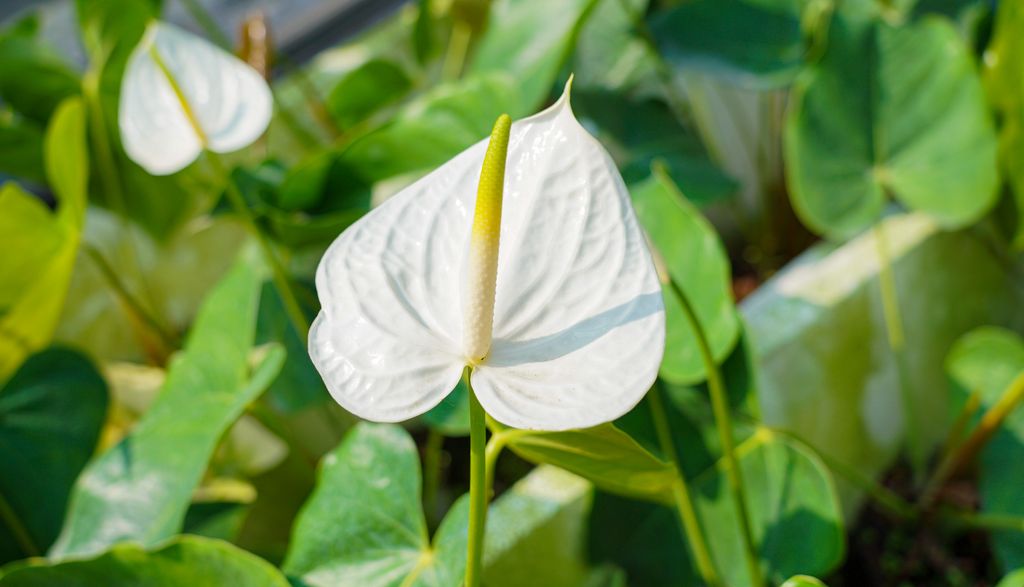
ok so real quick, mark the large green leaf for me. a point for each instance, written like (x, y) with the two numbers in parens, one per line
(604, 455)
(986, 362)
(697, 263)
(530, 41)
(890, 111)
(364, 526)
(299, 385)
(187, 560)
(755, 42)
(609, 53)
(51, 414)
(33, 285)
(33, 79)
(436, 127)
(140, 489)
(1004, 81)
(366, 89)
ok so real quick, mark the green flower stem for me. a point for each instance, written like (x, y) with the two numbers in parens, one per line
(458, 47)
(431, 470)
(681, 492)
(723, 422)
(278, 273)
(897, 344)
(478, 486)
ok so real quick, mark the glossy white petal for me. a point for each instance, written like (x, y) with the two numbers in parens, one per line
(231, 103)
(578, 323)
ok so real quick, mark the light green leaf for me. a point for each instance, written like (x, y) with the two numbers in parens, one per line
(435, 127)
(186, 560)
(697, 263)
(140, 489)
(987, 361)
(529, 41)
(33, 286)
(890, 111)
(794, 511)
(1014, 579)
(609, 53)
(604, 455)
(51, 414)
(751, 41)
(366, 89)
(803, 581)
(364, 526)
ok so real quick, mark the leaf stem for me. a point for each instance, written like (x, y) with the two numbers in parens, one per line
(278, 273)
(993, 418)
(681, 492)
(431, 470)
(458, 47)
(897, 344)
(478, 486)
(18, 529)
(723, 422)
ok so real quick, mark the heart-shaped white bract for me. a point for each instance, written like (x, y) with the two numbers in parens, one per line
(181, 94)
(579, 325)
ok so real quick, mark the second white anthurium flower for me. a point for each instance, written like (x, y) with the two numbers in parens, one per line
(181, 94)
(578, 327)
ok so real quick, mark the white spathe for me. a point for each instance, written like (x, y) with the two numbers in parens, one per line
(579, 325)
(231, 103)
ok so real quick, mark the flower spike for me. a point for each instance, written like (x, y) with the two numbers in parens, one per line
(483, 246)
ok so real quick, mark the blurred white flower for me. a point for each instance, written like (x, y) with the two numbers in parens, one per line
(578, 322)
(181, 94)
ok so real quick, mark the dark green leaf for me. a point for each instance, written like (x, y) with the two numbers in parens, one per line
(187, 560)
(51, 414)
(529, 41)
(299, 385)
(755, 42)
(697, 263)
(451, 416)
(21, 150)
(364, 525)
(140, 489)
(33, 79)
(366, 89)
(890, 110)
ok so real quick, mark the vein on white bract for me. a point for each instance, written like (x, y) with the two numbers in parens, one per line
(578, 324)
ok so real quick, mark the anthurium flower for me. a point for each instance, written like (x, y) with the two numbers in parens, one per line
(569, 335)
(181, 94)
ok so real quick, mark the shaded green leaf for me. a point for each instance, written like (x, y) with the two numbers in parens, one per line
(529, 41)
(889, 111)
(140, 489)
(752, 41)
(451, 416)
(34, 80)
(187, 560)
(697, 262)
(51, 414)
(364, 526)
(21, 149)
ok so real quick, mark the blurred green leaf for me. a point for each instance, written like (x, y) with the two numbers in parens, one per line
(697, 262)
(33, 287)
(803, 581)
(610, 54)
(754, 42)
(435, 127)
(218, 519)
(652, 132)
(51, 413)
(21, 149)
(987, 361)
(889, 111)
(1014, 579)
(140, 489)
(299, 385)
(186, 560)
(364, 525)
(530, 41)
(1004, 81)
(451, 416)
(366, 89)
(34, 80)
(605, 455)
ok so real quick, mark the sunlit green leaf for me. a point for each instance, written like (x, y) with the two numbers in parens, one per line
(890, 111)
(364, 526)
(51, 414)
(140, 489)
(697, 262)
(803, 581)
(187, 560)
(529, 41)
